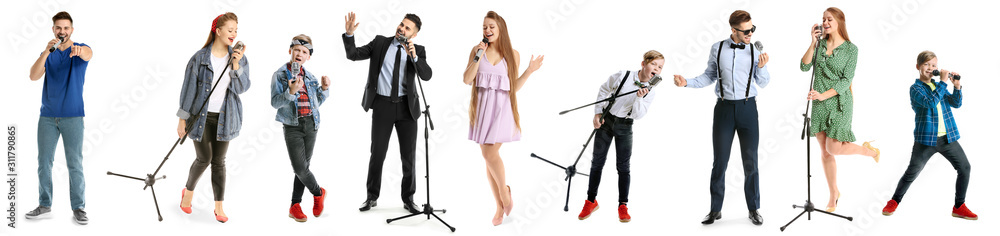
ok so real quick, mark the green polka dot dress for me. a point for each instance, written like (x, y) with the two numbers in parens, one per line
(834, 115)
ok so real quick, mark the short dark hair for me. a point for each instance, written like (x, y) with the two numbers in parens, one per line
(62, 16)
(415, 19)
(738, 17)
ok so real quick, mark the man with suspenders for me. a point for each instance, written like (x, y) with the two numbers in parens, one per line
(735, 65)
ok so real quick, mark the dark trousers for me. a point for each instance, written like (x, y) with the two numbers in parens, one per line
(735, 117)
(300, 141)
(385, 116)
(621, 131)
(210, 151)
(918, 158)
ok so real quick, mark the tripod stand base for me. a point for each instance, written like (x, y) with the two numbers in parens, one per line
(570, 171)
(429, 211)
(149, 181)
(809, 208)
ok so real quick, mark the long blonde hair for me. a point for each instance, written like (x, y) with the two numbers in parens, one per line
(504, 46)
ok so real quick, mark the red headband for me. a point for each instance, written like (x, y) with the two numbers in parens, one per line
(215, 22)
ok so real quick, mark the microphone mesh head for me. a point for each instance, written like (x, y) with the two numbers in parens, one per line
(296, 67)
(759, 45)
(656, 80)
(936, 72)
(239, 45)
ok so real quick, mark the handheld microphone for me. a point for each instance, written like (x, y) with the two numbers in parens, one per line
(53, 49)
(954, 77)
(759, 45)
(238, 46)
(295, 71)
(656, 80)
(480, 52)
(821, 30)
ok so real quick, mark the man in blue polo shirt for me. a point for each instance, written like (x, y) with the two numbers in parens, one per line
(64, 64)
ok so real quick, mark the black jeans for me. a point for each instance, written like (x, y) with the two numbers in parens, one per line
(620, 130)
(387, 114)
(735, 117)
(918, 158)
(210, 151)
(300, 141)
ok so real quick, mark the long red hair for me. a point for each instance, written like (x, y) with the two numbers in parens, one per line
(507, 51)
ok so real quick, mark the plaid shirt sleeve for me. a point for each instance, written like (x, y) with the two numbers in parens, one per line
(924, 103)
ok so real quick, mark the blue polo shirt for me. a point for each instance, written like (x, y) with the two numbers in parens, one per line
(62, 91)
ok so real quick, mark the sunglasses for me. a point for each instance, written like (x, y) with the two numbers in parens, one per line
(753, 29)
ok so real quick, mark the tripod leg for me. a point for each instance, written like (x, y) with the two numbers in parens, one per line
(402, 217)
(568, 186)
(837, 215)
(442, 221)
(157, 203)
(793, 220)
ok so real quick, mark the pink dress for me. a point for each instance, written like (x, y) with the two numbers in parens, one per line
(494, 115)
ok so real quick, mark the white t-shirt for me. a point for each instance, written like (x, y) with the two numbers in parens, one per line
(219, 95)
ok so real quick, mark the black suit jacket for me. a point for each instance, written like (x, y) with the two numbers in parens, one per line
(375, 50)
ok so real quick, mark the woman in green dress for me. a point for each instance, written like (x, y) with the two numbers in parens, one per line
(833, 103)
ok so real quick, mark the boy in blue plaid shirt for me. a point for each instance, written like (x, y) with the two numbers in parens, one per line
(935, 132)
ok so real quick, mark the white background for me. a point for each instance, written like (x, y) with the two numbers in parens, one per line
(140, 50)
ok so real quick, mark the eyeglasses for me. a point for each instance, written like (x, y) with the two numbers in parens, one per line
(753, 29)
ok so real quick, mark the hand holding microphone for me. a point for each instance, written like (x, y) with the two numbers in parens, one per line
(817, 32)
(763, 58)
(652, 83)
(54, 43)
(954, 76)
(238, 50)
(295, 82)
(951, 75)
(482, 46)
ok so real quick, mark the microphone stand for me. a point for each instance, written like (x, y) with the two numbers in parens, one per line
(428, 210)
(603, 100)
(570, 170)
(808, 207)
(150, 178)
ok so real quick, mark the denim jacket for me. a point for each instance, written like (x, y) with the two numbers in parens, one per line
(198, 82)
(286, 102)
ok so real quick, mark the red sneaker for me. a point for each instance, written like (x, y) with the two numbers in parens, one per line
(296, 213)
(890, 207)
(964, 213)
(588, 207)
(318, 203)
(623, 214)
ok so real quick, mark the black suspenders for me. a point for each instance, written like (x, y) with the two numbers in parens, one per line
(718, 70)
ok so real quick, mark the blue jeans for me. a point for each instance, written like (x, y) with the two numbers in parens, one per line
(71, 129)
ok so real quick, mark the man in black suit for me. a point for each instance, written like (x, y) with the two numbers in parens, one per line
(391, 93)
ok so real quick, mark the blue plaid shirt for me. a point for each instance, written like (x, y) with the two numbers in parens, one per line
(924, 102)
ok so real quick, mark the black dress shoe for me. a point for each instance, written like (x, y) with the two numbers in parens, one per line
(711, 217)
(756, 218)
(409, 206)
(367, 205)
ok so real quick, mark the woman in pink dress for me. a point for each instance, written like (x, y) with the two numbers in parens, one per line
(493, 110)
